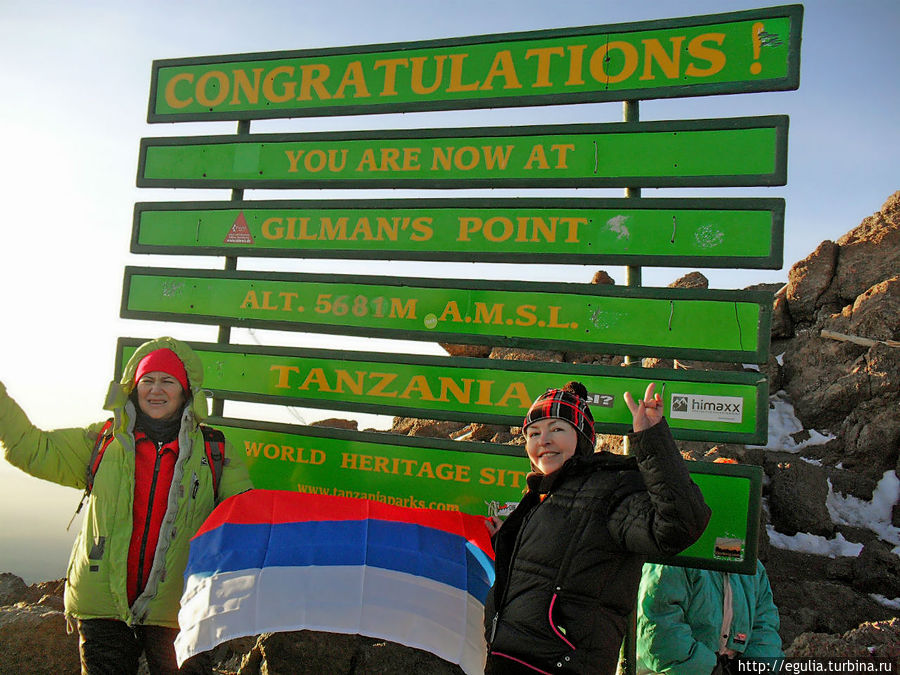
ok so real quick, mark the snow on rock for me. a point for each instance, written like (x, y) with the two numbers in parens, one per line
(815, 544)
(874, 515)
(886, 602)
(783, 423)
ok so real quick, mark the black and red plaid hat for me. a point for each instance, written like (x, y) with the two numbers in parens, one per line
(569, 404)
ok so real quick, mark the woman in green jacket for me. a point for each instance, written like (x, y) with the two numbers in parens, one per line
(692, 621)
(151, 492)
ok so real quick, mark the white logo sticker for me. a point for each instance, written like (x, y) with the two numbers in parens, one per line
(709, 408)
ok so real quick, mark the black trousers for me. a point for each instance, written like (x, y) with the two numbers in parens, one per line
(110, 647)
(497, 665)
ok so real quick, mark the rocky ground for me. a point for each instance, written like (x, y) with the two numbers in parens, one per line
(835, 359)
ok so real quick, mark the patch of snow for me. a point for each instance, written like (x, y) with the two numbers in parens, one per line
(803, 542)
(874, 515)
(886, 602)
(751, 366)
(782, 423)
(814, 462)
(815, 438)
(780, 359)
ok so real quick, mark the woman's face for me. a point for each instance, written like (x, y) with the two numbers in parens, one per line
(549, 443)
(160, 395)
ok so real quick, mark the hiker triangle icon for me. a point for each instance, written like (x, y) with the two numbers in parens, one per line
(239, 232)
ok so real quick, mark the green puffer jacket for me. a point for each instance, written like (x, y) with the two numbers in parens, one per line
(96, 576)
(680, 615)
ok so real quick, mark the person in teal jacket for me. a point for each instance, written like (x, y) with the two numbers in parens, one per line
(151, 492)
(681, 624)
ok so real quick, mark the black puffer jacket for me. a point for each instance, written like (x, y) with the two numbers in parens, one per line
(568, 567)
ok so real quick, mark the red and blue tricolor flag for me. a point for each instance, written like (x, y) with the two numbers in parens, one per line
(267, 561)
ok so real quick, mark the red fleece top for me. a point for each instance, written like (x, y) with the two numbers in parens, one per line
(153, 472)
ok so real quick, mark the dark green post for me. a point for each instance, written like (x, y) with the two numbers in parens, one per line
(237, 195)
(628, 655)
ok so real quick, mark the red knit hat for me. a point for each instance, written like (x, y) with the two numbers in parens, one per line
(165, 361)
(569, 404)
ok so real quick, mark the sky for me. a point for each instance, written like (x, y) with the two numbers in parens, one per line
(76, 78)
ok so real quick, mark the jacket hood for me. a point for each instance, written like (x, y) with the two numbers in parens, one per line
(119, 391)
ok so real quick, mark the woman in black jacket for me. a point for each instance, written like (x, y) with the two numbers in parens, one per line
(568, 559)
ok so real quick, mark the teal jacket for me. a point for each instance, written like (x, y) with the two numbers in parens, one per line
(96, 575)
(680, 613)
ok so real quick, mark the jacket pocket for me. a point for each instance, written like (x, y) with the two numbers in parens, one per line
(95, 554)
(581, 621)
(558, 628)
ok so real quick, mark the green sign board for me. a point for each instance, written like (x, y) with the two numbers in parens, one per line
(718, 152)
(699, 405)
(682, 323)
(707, 232)
(756, 50)
(477, 478)
(731, 539)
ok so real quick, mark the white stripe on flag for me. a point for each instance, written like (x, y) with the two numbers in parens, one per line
(411, 610)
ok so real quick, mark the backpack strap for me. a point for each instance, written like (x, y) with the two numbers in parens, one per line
(214, 445)
(104, 438)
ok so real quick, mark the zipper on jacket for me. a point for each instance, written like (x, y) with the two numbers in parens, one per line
(140, 570)
(195, 485)
(512, 559)
(493, 629)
